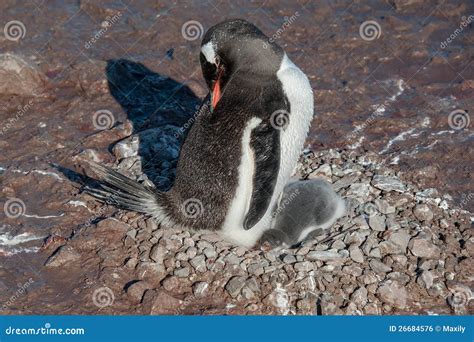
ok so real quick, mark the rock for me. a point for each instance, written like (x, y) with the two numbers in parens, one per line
(255, 269)
(112, 226)
(400, 238)
(62, 256)
(19, 76)
(344, 182)
(391, 292)
(153, 270)
(377, 222)
(182, 272)
(157, 253)
(136, 290)
(304, 266)
(289, 259)
(338, 244)
(359, 191)
(356, 254)
(199, 263)
(200, 289)
(164, 304)
(426, 278)
(323, 255)
(371, 309)
(423, 212)
(384, 207)
(235, 285)
(388, 247)
(359, 297)
(210, 253)
(352, 270)
(388, 183)
(324, 171)
(232, 259)
(126, 148)
(171, 284)
(424, 248)
(379, 266)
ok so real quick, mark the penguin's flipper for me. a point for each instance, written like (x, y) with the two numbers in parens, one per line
(265, 142)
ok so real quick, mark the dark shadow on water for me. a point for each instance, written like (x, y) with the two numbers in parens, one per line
(159, 108)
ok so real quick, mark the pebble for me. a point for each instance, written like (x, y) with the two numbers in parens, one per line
(379, 266)
(165, 304)
(388, 183)
(426, 278)
(235, 285)
(158, 253)
(182, 272)
(391, 292)
(423, 212)
(424, 248)
(210, 253)
(289, 259)
(136, 290)
(255, 269)
(401, 238)
(63, 255)
(384, 207)
(359, 297)
(356, 254)
(199, 263)
(304, 266)
(377, 222)
(323, 255)
(200, 289)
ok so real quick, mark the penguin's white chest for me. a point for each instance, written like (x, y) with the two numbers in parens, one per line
(292, 136)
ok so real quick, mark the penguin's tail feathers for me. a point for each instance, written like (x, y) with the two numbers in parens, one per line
(123, 192)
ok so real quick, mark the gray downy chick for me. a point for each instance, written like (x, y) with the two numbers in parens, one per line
(305, 207)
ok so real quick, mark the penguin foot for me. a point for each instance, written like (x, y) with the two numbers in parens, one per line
(274, 238)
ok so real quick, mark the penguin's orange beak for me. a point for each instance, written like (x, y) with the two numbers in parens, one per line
(216, 91)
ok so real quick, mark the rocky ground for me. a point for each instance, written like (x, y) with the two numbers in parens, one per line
(399, 250)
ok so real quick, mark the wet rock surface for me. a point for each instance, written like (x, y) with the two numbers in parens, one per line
(385, 143)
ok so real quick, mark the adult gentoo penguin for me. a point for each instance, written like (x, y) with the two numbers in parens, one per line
(243, 146)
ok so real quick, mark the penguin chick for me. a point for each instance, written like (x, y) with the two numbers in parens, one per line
(306, 207)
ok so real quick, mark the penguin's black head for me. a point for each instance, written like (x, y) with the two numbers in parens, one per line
(237, 47)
